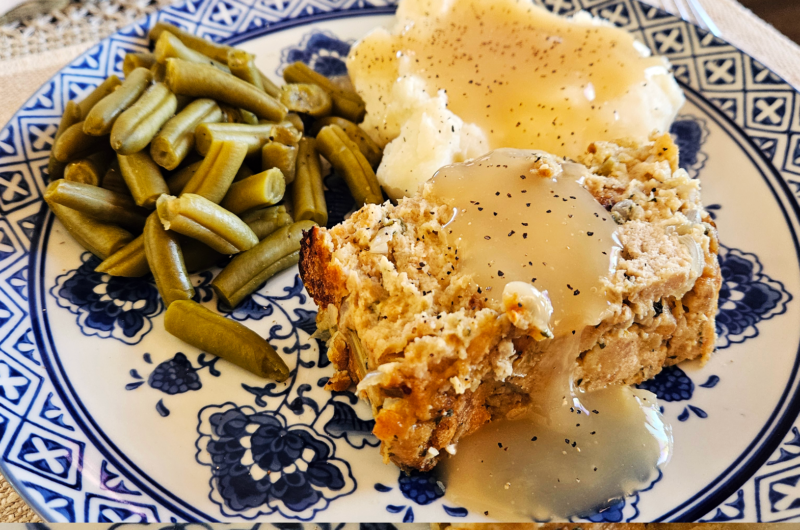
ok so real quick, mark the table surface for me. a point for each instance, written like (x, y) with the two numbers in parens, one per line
(26, 66)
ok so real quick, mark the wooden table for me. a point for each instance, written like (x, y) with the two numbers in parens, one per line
(783, 14)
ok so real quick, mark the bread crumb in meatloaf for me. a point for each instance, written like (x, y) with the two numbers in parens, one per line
(442, 361)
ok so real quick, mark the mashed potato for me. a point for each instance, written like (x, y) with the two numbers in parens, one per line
(454, 79)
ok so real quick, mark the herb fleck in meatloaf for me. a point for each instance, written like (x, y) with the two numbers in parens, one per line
(439, 361)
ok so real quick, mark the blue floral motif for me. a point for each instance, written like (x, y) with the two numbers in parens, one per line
(322, 51)
(175, 376)
(690, 133)
(747, 297)
(671, 384)
(260, 465)
(421, 488)
(108, 306)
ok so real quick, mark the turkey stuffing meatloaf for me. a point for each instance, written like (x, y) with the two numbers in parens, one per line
(436, 361)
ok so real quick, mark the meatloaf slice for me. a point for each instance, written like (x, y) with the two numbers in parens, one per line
(436, 362)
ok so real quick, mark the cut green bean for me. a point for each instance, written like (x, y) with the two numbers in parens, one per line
(197, 217)
(248, 117)
(98, 203)
(226, 338)
(103, 89)
(308, 194)
(260, 190)
(84, 171)
(101, 118)
(346, 158)
(295, 119)
(371, 151)
(265, 221)
(242, 65)
(254, 136)
(112, 180)
(74, 144)
(168, 46)
(179, 179)
(129, 262)
(143, 178)
(176, 138)
(346, 103)
(134, 60)
(214, 176)
(269, 87)
(218, 52)
(306, 99)
(247, 271)
(165, 259)
(101, 239)
(203, 81)
(281, 156)
(139, 124)
(71, 116)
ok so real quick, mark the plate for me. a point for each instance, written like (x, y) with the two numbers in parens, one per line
(104, 417)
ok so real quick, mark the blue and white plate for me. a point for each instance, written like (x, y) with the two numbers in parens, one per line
(104, 417)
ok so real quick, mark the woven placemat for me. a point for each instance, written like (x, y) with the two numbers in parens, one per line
(12, 508)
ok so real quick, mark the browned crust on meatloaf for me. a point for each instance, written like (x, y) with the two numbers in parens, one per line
(393, 318)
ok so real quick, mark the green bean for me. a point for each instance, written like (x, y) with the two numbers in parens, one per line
(74, 143)
(254, 136)
(71, 116)
(281, 156)
(197, 217)
(177, 181)
(101, 118)
(295, 119)
(176, 138)
(306, 99)
(197, 255)
(263, 189)
(98, 203)
(165, 259)
(226, 338)
(248, 117)
(139, 124)
(134, 60)
(242, 65)
(218, 52)
(112, 180)
(243, 173)
(308, 195)
(105, 88)
(101, 239)
(84, 171)
(214, 176)
(346, 103)
(269, 87)
(265, 221)
(371, 151)
(203, 81)
(168, 46)
(247, 271)
(143, 178)
(347, 160)
(129, 262)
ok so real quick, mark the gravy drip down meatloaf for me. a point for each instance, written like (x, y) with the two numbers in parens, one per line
(436, 360)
